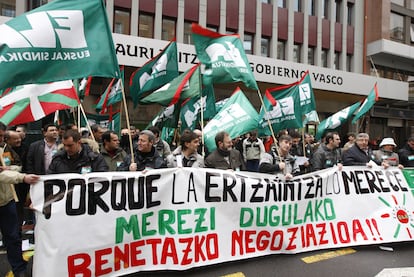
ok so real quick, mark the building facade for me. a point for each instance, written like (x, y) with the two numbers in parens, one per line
(342, 43)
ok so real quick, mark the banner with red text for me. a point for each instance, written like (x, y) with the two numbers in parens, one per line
(109, 224)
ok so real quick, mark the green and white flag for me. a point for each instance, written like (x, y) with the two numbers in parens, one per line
(110, 122)
(61, 40)
(371, 99)
(167, 117)
(223, 56)
(191, 109)
(186, 85)
(287, 106)
(237, 117)
(112, 94)
(155, 73)
(336, 120)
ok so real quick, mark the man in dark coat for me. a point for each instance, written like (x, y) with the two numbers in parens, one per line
(359, 153)
(145, 155)
(225, 157)
(76, 157)
(406, 154)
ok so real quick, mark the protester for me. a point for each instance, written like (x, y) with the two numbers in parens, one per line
(224, 156)
(253, 148)
(145, 155)
(97, 132)
(76, 157)
(280, 161)
(406, 154)
(9, 223)
(297, 151)
(329, 154)
(386, 156)
(359, 153)
(161, 145)
(111, 151)
(186, 155)
(350, 142)
(41, 152)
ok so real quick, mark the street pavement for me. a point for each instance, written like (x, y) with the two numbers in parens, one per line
(391, 260)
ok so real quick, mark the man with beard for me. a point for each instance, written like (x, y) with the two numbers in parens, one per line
(224, 156)
(328, 154)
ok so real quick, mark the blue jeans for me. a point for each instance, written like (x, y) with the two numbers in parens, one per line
(10, 230)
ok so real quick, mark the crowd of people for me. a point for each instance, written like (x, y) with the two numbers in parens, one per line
(65, 149)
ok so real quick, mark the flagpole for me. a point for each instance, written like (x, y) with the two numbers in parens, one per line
(268, 122)
(86, 120)
(127, 123)
(203, 153)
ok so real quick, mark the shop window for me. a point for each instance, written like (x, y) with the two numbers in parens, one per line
(121, 22)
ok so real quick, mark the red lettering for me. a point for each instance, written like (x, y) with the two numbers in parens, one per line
(248, 240)
(262, 244)
(322, 233)
(169, 250)
(310, 235)
(237, 237)
(187, 249)
(154, 243)
(357, 229)
(198, 251)
(212, 244)
(278, 234)
(81, 267)
(343, 232)
(135, 252)
(293, 231)
(100, 261)
(121, 256)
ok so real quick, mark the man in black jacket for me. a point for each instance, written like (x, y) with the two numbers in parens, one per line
(145, 155)
(76, 157)
(406, 154)
(359, 153)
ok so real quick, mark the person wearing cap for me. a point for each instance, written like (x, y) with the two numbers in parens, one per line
(386, 156)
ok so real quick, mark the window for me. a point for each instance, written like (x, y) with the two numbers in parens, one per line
(8, 10)
(398, 2)
(187, 33)
(324, 58)
(325, 9)
(350, 17)
(146, 26)
(336, 61)
(412, 32)
(168, 29)
(121, 22)
(311, 55)
(297, 6)
(338, 10)
(349, 63)
(396, 26)
(248, 43)
(281, 3)
(311, 7)
(33, 4)
(281, 45)
(296, 53)
(265, 47)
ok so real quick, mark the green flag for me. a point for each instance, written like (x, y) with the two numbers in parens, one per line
(62, 40)
(287, 105)
(167, 117)
(186, 85)
(155, 73)
(190, 113)
(237, 117)
(223, 56)
(371, 99)
(336, 120)
(110, 122)
(112, 94)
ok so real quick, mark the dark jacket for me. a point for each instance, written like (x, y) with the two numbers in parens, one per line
(217, 160)
(144, 160)
(36, 158)
(356, 156)
(87, 161)
(269, 163)
(325, 157)
(406, 155)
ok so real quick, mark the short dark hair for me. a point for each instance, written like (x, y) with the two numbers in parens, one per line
(155, 130)
(72, 134)
(3, 126)
(220, 137)
(285, 137)
(187, 136)
(107, 136)
(47, 125)
(330, 136)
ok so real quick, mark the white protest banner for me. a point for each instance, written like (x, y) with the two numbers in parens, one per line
(114, 223)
